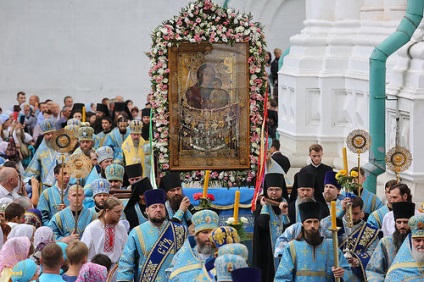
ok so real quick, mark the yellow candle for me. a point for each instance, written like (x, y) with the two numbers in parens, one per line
(333, 215)
(206, 184)
(236, 206)
(344, 159)
(83, 114)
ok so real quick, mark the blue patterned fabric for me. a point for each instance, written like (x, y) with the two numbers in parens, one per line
(114, 140)
(381, 260)
(404, 267)
(183, 217)
(187, 265)
(371, 201)
(49, 201)
(63, 223)
(141, 241)
(303, 262)
(376, 218)
(43, 164)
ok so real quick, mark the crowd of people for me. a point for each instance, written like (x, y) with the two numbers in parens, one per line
(111, 224)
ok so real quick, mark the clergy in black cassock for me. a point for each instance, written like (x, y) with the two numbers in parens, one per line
(268, 225)
(305, 187)
(135, 210)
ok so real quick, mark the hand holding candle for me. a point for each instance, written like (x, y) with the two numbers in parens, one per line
(333, 215)
(236, 206)
(206, 184)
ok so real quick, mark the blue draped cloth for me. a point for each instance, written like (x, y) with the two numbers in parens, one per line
(381, 260)
(49, 201)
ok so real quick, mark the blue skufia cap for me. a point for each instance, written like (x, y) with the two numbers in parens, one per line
(47, 126)
(225, 264)
(234, 249)
(24, 270)
(114, 172)
(104, 153)
(330, 178)
(155, 196)
(100, 186)
(246, 274)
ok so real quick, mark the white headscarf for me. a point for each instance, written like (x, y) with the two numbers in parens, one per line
(22, 230)
(43, 235)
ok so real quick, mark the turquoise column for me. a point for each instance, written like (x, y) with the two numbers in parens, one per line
(377, 104)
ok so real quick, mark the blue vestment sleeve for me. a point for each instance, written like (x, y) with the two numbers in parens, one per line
(129, 258)
(44, 207)
(55, 226)
(285, 269)
(377, 266)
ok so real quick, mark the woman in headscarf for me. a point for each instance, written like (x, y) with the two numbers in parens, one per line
(42, 237)
(13, 251)
(23, 230)
(25, 270)
(33, 217)
(92, 272)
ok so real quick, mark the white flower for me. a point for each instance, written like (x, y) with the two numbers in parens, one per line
(232, 178)
(243, 219)
(230, 220)
(164, 30)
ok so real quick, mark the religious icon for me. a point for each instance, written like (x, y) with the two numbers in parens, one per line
(209, 106)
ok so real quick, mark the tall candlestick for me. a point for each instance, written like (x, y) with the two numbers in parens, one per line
(236, 206)
(83, 114)
(345, 167)
(333, 215)
(206, 184)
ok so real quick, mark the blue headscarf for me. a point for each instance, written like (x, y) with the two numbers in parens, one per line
(24, 270)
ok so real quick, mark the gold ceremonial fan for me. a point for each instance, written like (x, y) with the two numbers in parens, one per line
(358, 141)
(79, 165)
(398, 159)
(63, 140)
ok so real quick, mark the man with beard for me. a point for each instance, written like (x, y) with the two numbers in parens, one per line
(376, 217)
(101, 112)
(115, 176)
(305, 187)
(100, 188)
(398, 193)
(135, 209)
(151, 245)
(310, 257)
(106, 125)
(177, 205)
(317, 167)
(85, 140)
(116, 137)
(134, 173)
(332, 193)
(106, 235)
(105, 158)
(361, 240)
(50, 199)
(268, 225)
(189, 262)
(388, 247)
(408, 264)
(133, 147)
(45, 158)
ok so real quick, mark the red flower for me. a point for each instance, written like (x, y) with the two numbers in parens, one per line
(211, 197)
(197, 196)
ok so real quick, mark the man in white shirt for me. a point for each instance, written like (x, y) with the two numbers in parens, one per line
(106, 235)
(9, 180)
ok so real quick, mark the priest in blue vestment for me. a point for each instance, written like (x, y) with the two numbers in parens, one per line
(50, 201)
(310, 257)
(387, 248)
(177, 205)
(45, 158)
(408, 264)
(151, 245)
(116, 137)
(70, 223)
(189, 261)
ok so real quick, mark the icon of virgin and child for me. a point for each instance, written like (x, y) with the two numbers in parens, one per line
(207, 92)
